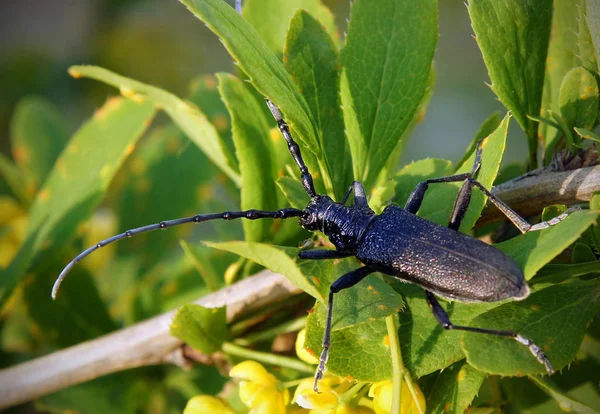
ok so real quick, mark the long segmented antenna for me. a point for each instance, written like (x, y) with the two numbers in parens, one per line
(283, 213)
(307, 180)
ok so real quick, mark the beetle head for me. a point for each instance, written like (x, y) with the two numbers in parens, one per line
(314, 213)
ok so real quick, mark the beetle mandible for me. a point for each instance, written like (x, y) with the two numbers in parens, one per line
(396, 242)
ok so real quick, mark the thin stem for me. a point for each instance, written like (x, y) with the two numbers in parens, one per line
(349, 395)
(397, 363)
(565, 402)
(286, 327)
(266, 358)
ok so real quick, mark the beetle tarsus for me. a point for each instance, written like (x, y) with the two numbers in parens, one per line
(322, 367)
(536, 351)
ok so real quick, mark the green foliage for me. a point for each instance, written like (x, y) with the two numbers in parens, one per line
(271, 18)
(533, 250)
(513, 37)
(38, 135)
(378, 97)
(578, 99)
(572, 307)
(76, 184)
(185, 115)
(311, 58)
(203, 328)
(351, 105)
(251, 138)
(454, 389)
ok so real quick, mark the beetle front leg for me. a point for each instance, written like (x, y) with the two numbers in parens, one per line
(442, 317)
(360, 195)
(346, 281)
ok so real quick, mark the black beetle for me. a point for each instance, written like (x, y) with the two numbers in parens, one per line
(396, 242)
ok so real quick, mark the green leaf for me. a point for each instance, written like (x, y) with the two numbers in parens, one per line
(271, 18)
(533, 250)
(165, 178)
(381, 195)
(570, 46)
(78, 316)
(454, 389)
(592, 17)
(38, 135)
(185, 114)
(439, 200)
(370, 300)
(203, 265)
(426, 346)
(360, 353)
(566, 402)
(560, 272)
(412, 174)
(384, 77)
(311, 59)
(266, 72)
(253, 150)
(578, 99)
(277, 259)
(78, 181)
(20, 183)
(204, 329)
(293, 191)
(513, 37)
(104, 395)
(487, 127)
(547, 121)
(204, 93)
(587, 134)
(555, 318)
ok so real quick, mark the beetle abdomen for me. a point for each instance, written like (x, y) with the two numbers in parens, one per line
(448, 263)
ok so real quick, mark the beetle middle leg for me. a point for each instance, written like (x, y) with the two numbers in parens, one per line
(346, 281)
(464, 197)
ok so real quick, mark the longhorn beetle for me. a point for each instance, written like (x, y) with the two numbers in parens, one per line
(396, 242)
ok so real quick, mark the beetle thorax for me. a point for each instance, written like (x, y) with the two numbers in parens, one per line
(343, 225)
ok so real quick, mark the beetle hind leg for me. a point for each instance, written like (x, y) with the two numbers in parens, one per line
(444, 319)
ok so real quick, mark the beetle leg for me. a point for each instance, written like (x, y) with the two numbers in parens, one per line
(416, 197)
(360, 195)
(442, 317)
(346, 281)
(323, 254)
(514, 217)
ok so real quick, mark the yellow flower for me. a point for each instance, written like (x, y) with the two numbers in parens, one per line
(302, 353)
(382, 398)
(329, 400)
(258, 389)
(207, 404)
(13, 224)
